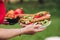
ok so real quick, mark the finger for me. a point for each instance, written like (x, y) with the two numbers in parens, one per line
(33, 25)
(37, 26)
(39, 30)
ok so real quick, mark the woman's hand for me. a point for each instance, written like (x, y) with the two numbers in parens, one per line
(31, 29)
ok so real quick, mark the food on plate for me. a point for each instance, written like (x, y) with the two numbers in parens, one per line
(42, 18)
(12, 16)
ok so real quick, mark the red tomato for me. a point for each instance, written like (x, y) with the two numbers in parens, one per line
(37, 16)
(19, 11)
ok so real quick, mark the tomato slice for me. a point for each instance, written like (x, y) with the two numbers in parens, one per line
(37, 16)
(30, 22)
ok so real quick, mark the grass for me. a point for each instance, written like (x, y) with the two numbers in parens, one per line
(52, 30)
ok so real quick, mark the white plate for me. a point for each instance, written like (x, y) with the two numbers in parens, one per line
(45, 25)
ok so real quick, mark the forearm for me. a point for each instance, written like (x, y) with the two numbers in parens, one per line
(8, 33)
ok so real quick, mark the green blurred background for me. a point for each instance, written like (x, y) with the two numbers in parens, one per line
(31, 7)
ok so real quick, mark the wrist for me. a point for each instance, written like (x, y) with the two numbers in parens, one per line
(22, 30)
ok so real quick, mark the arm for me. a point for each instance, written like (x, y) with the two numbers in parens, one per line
(8, 33)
